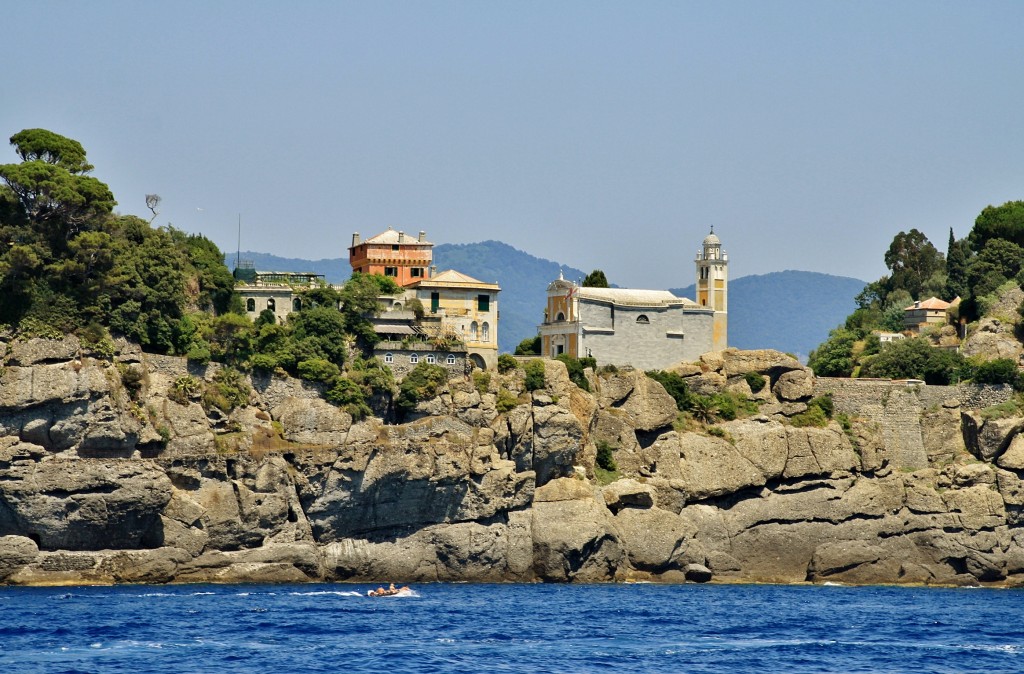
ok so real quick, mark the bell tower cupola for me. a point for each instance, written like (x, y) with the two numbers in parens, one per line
(713, 285)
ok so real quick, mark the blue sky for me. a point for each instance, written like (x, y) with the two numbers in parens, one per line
(603, 135)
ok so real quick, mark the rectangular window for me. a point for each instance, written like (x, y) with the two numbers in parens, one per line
(417, 272)
(483, 302)
(395, 246)
(435, 302)
(391, 271)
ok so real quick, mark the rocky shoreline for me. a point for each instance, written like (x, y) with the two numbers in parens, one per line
(110, 473)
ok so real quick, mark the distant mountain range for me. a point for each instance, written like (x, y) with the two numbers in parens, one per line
(791, 311)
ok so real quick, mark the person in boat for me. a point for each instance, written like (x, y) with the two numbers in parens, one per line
(381, 592)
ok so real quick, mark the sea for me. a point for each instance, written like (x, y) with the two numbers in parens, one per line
(510, 628)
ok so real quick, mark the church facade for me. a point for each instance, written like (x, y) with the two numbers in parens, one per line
(646, 329)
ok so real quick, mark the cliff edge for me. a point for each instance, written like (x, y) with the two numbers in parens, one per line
(112, 469)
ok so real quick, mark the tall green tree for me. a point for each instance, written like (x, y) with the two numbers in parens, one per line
(914, 263)
(957, 253)
(52, 186)
(595, 279)
(998, 222)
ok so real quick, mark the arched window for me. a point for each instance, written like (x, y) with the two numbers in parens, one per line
(451, 359)
(473, 329)
(560, 316)
(414, 358)
(297, 304)
(485, 332)
(271, 304)
(250, 304)
(389, 358)
(431, 358)
(643, 320)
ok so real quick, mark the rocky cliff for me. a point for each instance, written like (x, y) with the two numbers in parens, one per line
(113, 470)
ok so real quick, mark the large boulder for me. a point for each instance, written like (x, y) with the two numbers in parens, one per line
(85, 504)
(573, 537)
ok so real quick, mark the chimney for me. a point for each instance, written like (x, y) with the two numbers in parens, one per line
(423, 236)
(355, 239)
(401, 237)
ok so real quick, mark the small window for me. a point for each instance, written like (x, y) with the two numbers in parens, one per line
(560, 316)
(643, 320)
(450, 359)
(417, 272)
(250, 304)
(297, 304)
(483, 302)
(473, 330)
(435, 302)
(395, 246)
(271, 304)
(431, 359)
(391, 271)
(389, 358)
(485, 332)
(414, 358)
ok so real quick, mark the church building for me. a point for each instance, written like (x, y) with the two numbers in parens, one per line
(647, 329)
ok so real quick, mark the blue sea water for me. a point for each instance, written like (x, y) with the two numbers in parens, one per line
(510, 628)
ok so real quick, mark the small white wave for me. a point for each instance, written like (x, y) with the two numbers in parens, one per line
(319, 593)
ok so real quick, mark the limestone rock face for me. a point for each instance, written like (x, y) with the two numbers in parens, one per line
(82, 505)
(764, 361)
(993, 339)
(794, 385)
(102, 484)
(573, 536)
(16, 552)
(641, 400)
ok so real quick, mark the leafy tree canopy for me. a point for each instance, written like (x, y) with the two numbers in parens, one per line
(998, 222)
(913, 261)
(595, 279)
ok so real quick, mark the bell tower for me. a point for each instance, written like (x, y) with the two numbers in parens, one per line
(713, 286)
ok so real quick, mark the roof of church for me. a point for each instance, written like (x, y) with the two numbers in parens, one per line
(391, 236)
(633, 296)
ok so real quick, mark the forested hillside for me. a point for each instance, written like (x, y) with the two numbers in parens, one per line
(791, 311)
(977, 276)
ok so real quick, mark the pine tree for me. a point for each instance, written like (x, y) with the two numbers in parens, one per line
(956, 268)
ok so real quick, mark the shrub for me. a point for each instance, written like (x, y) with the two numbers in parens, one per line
(605, 456)
(589, 361)
(529, 347)
(133, 378)
(998, 371)
(755, 381)
(348, 395)
(199, 352)
(423, 383)
(263, 361)
(824, 403)
(534, 375)
(507, 363)
(228, 390)
(184, 389)
(481, 381)
(674, 385)
(814, 416)
(575, 369)
(506, 400)
(318, 369)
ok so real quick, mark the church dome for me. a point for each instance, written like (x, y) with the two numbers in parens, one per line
(712, 240)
